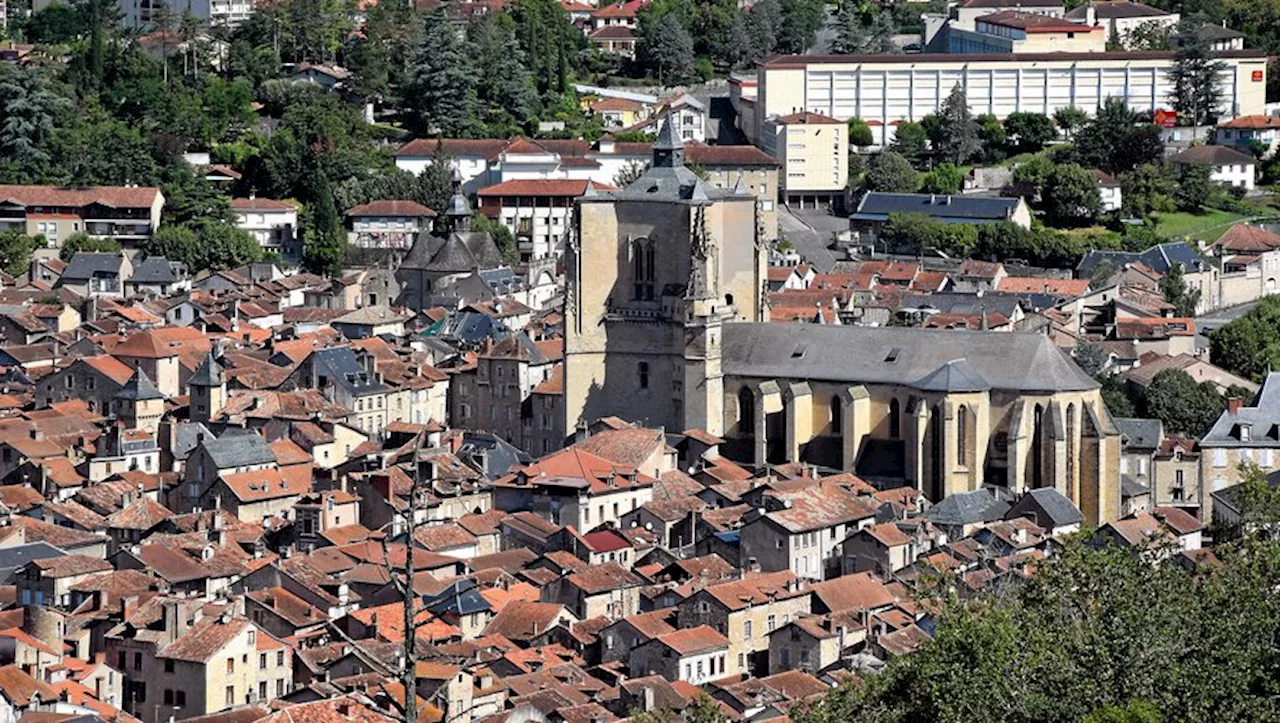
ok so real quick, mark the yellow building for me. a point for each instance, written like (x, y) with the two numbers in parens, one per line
(814, 152)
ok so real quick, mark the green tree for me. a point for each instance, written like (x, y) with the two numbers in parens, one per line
(1070, 119)
(15, 251)
(55, 24)
(629, 173)
(440, 90)
(1136, 711)
(958, 140)
(505, 88)
(1030, 132)
(502, 236)
(1194, 187)
(1183, 405)
(77, 242)
(1249, 345)
(1174, 287)
(993, 142)
(890, 172)
(1151, 35)
(1034, 172)
(860, 133)
(1071, 195)
(175, 243)
(946, 178)
(29, 113)
(1148, 189)
(801, 20)
(1197, 85)
(1118, 139)
(1115, 395)
(1092, 358)
(666, 49)
(915, 233)
(910, 140)
(223, 246)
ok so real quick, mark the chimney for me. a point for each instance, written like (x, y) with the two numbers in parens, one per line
(1233, 405)
(648, 699)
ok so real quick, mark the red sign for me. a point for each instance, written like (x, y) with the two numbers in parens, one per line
(1166, 118)
(1257, 76)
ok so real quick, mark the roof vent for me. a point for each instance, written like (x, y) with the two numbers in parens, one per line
(892, 356)
(799, 351)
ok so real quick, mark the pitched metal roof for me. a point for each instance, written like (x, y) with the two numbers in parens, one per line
(957, 375)
(877, 206)
(888, 355)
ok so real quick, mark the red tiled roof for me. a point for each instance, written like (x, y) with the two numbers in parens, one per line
(1035, 23)
(261, 204)
(391, 208)
(1248, 239)
(112, 196)
(1252, 122)
(563, 187)
(691, 641)
(1037, 285)
(807, 118)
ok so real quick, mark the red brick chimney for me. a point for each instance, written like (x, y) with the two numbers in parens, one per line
(1233, 405)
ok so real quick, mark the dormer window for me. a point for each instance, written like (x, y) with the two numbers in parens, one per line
(1243, 432)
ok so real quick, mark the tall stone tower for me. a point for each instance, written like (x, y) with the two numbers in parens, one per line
(208, 390)
(654, 272)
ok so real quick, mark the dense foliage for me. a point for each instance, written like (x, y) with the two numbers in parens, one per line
(1250, 345)
(1097, 633)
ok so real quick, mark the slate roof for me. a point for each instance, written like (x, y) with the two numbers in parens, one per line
(967, 508)
(87, 264)
(156, 270)
(460, 598)
(1160, 257)
(1139, 433)
(459, 252)
(957, 375)
(668, 182)
(1052, 503)
(239, 448)
(891, 355)
(1262, 418)
(12, 558)
(208, 374)
(877, 206)
(340, 364)
(139, 388)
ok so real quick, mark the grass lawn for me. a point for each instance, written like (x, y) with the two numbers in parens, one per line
(1207, 226)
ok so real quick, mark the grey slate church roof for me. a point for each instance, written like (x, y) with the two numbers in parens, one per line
(886, 355)
(460, 251)
(208, 374)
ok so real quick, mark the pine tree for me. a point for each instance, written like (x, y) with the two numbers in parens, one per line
(504, 86)
(957, 139)
(1195, 76)
(441, 84)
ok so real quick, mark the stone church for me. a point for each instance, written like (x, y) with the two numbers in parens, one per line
(666, 325)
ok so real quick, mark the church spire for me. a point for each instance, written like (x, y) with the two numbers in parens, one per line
(668, 149)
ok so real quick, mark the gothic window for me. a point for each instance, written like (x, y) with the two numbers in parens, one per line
(962, 435)
(836, 421)
(642, 260)
(642, 371)
(746, 411)
(895, 419)
(1037, 451)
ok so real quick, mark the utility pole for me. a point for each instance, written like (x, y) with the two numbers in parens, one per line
(408, 673)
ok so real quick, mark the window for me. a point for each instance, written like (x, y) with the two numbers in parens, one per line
(168, 696)
(139, 691)
(746, 630)
(168, 665)
(262, 690)
(280, 658)
(746, 412)
(180, 698)
(642, 371)
(895, 422)
(699, 670)
(231, 665)
(962, 435)
(642, 253)
(137, 661)
(123, 656)
(835, 415)
(1219, 457)
(262, 661)
(742, 661)
(773, 623)
(279, 687)
(230, 695)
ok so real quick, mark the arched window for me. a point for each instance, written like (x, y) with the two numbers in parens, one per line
(1037, 451)
(642, 371)
(895, 421)
(962, 435)
(1071, 451)
(836, 415)
(642, 260)
(746, 411)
